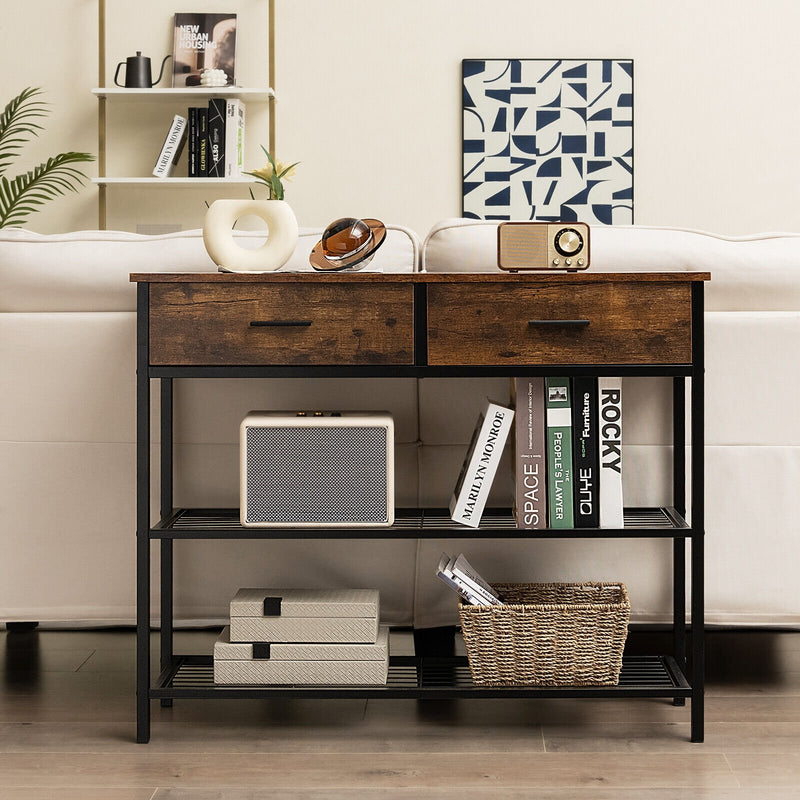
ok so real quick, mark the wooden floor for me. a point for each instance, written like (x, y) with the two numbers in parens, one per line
(67, 730)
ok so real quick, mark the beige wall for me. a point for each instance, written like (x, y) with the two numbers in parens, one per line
(369, 101)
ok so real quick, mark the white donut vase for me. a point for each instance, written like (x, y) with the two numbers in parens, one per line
(227, 254)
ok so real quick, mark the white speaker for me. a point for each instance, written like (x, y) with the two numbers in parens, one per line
(316, 469)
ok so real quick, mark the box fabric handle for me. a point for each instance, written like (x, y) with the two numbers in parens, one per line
(272, 606)
(260, 650)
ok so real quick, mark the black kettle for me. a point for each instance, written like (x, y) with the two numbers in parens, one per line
(137, 72)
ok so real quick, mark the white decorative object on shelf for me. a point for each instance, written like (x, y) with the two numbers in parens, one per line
(230, 256)
(213, 77)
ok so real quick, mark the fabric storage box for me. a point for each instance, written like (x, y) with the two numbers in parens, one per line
(548, 634)
(305, 615)
(304, 663)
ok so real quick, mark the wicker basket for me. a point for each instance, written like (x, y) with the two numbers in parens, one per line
(548, 634)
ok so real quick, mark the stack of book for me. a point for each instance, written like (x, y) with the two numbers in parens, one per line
(568, 452)
(303, 636)
(567, 455)
(215, 138)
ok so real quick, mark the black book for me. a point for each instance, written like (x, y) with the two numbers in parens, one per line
(202, 142)
(194, 149)
(217, 109)
(585, 457)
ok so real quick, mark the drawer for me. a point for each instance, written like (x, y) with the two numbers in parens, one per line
(281, 323)
(584, 323)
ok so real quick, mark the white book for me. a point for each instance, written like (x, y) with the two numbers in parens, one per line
(172, 148)
(480, 464)
(468, 593)
(485, 597)
(464, 571)
(609, 391)
(234, 138)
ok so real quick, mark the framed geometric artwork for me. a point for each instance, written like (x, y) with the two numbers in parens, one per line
(547, 140)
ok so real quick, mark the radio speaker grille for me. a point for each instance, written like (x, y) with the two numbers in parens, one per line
(316, 474)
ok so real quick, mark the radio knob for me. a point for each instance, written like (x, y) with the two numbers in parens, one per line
(568, 241)
(568, 262)
(556, 262)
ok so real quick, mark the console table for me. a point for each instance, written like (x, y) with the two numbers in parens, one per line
(212, 325)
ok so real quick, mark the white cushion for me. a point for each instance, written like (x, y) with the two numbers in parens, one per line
(748, 273)
(89, 270)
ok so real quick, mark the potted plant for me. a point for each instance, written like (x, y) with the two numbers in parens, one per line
(26, 193)
(275, 211)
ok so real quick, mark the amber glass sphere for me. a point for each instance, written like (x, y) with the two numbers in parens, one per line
(345, 237)
(348, 244)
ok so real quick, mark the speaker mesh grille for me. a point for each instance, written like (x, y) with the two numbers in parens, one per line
(316, 474)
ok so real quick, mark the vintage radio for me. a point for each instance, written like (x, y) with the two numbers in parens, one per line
(542, 245)
(316, 468)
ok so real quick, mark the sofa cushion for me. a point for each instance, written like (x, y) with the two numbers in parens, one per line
(88, 270)
(748, 273)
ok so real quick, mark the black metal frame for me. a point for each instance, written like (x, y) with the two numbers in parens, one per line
(419, 677)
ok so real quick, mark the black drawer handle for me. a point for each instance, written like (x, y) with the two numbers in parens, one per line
(280, 323)
(573, 323)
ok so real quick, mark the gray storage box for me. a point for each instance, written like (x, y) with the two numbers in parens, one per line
(262, 663)
(305, 615)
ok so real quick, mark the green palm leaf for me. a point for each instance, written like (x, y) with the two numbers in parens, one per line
(18, 124)
(23, 195)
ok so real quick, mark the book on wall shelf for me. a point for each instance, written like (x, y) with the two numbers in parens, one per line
(234, 138)
(215, 132)
(480, 464)
(203, 41)
(530, 453)
(559, 452)
(172, 148)
(610, 438)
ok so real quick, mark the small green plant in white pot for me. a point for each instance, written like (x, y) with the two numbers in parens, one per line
(26, 193)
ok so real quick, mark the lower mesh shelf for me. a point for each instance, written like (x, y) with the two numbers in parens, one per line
(645, 676)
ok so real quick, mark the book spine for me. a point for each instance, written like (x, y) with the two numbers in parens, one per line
(202, 142)
(234, 139)
(472, 489)
(240, 121)
(193, 143)
(216, 137)
(530, 465)
(585, 462)
(610, 408)
(172, 148)
(231, 138)
(471, 592)
(559, 452)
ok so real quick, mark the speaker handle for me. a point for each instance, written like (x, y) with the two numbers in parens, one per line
(280, 323)
(576, 323)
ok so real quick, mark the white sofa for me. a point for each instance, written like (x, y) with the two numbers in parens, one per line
(752, 453)
(67, 432)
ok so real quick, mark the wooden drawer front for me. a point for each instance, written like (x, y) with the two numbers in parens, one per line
(636, 323)
(210, 324)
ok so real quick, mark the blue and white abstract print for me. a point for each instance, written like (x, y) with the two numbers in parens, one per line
(548, 140)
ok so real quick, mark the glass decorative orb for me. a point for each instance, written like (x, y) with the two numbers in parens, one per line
(348, 244)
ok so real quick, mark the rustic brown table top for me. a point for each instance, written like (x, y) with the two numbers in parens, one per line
(420, 277)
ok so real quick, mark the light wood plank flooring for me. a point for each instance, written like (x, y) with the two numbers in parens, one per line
(67, 727)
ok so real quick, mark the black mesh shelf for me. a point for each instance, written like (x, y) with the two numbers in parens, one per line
(434, 678)
(415, 523)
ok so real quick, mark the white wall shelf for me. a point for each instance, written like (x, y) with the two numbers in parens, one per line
(149, 95)
(169, 182)
(128, 104)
